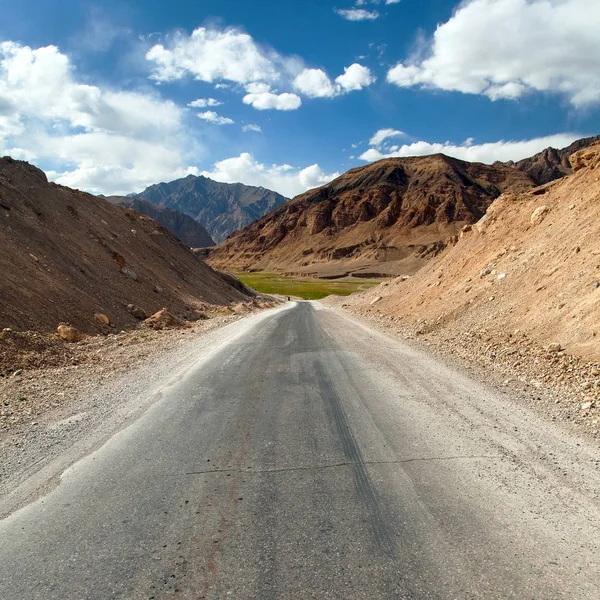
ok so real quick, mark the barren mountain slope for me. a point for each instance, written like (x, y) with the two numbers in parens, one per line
(532, 264)
(551, 164)
(188, 230)
(220, 207)
(67, 255)
(384, 217)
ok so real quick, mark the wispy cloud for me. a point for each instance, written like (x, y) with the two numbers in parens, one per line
(212, 117)
(251, 127)
(357, 14)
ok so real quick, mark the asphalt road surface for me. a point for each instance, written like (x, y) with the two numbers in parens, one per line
(312, 457)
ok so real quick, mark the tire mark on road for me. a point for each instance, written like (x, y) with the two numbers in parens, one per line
(382, 534)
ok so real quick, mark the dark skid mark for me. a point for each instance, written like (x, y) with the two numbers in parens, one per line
(383, 536)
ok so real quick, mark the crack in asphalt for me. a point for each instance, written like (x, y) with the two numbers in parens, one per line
(342, 464)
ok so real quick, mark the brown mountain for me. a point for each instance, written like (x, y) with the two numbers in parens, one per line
(67, 255)
(385, 217)
(221, 208)
(188, 230)
(524, 277)
(551, 164)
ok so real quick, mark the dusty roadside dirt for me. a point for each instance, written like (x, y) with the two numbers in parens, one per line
(52, 378)
(559, 386)
(517, 296)
(53, 415)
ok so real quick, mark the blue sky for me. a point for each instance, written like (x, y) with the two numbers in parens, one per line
(113, 96)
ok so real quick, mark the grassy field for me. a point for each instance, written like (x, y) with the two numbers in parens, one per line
(304, 287)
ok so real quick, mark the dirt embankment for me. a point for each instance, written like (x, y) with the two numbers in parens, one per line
(518, 294)
(41, 374)
(68, 256)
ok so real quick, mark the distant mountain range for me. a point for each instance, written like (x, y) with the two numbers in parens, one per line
(188, 230)
(551, 164)
(221, 208)
(387, 217)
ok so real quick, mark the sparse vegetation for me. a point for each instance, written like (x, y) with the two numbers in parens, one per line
(308, 288)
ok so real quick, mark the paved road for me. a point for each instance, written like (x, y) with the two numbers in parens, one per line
(315, 458)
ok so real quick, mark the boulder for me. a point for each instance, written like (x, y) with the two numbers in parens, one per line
(239, 309)
(68, 333)
(137, 312)
(129, 272)
(554, 347)
(163, 319)
(102, 318)
(539, 214)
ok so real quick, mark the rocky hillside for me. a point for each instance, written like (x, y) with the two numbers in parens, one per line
(527, 273)
(221, 208)
(188, 230)
(551, 164)
(386, 217)
(67, 255)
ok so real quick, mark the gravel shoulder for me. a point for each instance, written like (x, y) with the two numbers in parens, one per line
(53, 416)
(561, 388)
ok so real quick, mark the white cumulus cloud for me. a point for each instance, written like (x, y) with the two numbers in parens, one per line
(230, 56)
(204, 102)
(99, 139)
(355, 77)
(212, 117)
(503, 150)
(315, 83)
(261, 97)
(283, 178)
(508, 48)
(212, 55)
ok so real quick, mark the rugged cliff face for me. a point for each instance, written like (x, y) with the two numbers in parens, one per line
(188, 230)
(221, 208)
(67, 255)
(551, 164)
(385, 217)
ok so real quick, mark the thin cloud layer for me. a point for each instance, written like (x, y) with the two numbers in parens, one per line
(204, 102)
(505, 49)
(357, 14)
(210, 116)
(252, 127)
(384, 134)
(486, 153)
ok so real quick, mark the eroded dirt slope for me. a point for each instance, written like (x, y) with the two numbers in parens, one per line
(517, 296)
(531, 263)
(67, 255)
